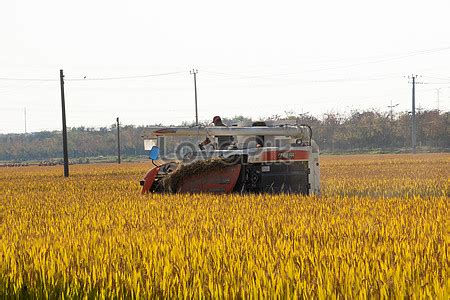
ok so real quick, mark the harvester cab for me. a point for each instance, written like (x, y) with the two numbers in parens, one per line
(257, 159)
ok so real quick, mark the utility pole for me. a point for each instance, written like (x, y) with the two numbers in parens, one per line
(118, 140)
(25, 117)
(438, 91)
(64, 129)
(194, 72)
(413, 114)
(392, 108)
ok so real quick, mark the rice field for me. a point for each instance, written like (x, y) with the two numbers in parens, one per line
(380, 229)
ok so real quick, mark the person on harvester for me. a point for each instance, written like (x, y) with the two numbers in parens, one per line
(223, 141)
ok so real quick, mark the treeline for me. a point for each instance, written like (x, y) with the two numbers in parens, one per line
(373, 130)
(82, 142)
(355, 132)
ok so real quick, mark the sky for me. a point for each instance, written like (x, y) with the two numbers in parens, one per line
(131, 59)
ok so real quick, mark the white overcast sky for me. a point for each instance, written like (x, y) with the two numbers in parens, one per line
(254, 58)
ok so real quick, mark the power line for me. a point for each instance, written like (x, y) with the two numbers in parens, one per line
(373, 57)
(90, 79)
(381, 59)
(385, 59)
(438, 78)
(27, 79)
(433, 82)
(333, 80)
(123, 77)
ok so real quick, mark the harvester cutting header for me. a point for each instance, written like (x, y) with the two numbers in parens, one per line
(256, 159)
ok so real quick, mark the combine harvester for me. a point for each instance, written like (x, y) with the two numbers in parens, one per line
(257, 159)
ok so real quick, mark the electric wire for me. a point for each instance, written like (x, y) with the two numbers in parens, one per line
(122, 77)
(381, 59)
(438, 78)
(27, 79)
(385, 59)
(89, 79)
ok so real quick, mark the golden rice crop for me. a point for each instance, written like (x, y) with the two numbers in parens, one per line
(380, 229)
